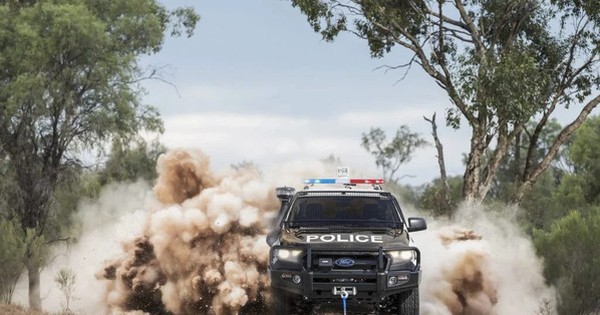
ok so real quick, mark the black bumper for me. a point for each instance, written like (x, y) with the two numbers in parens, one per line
(371, 283)
(319, 285)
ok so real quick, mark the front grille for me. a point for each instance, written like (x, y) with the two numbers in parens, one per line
(363, 262)
(345, 280)
(363, 272)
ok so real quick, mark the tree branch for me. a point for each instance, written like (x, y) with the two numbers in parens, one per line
(443, 79)
(440, 150)
(471, 27)
(504, 139)
(449, 20)
(566, 80)
(407, 66)
(560, 140)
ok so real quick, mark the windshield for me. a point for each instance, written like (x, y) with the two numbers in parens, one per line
(343, 211)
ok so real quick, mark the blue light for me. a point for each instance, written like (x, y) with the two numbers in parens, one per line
(311, 181)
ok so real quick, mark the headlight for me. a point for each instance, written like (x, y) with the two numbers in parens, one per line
(403, 256)
(287, 255)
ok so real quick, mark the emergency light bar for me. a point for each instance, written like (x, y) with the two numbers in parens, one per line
(316, 181)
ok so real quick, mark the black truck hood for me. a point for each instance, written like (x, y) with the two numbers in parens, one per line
(344, 239)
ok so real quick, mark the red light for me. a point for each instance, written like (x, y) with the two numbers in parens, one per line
(366, 181)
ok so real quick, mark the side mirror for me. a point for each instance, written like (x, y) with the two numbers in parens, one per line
(272, 237)
(416, 224)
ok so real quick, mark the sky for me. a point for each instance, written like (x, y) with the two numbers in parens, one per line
(255, 83)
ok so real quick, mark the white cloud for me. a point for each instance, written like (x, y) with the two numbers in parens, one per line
(390, 118)
(275, 139)
(232, 93)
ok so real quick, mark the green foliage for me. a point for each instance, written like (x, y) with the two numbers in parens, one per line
(585, 156)
(406, 193)
(570, 194)
(570, 250)
(573, 188)
(389, 156)
(543, 204)
(12, 251)
(127, 162)
(67, 198)
(70, 82)
(435, 200)
(70, 72)
(36, 255)
(329, 18)
(6, 185)
(505, 65)
(500, 86)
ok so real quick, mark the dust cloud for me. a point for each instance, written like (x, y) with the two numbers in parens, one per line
(117, 214)
(204, 249)
(195, 244)
(480, 263)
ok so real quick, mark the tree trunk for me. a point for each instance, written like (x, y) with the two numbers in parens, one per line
(446, 206)
(440, 151)
(472, 177)
(35, 299)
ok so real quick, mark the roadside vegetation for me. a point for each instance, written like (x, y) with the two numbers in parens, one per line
(508, 68)
(69, 84)
(561, 214)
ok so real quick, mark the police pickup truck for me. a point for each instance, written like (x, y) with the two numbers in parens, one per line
(343, 247)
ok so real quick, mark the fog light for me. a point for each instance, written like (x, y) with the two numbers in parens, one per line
(392, 281)
(296, 279)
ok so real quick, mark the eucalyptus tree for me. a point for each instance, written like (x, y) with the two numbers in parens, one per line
(128, 162)
(570, 249)
(503, 64)
(584, 155)
(391, 154)
(70, 82)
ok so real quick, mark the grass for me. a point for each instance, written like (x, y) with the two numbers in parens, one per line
(18, 310)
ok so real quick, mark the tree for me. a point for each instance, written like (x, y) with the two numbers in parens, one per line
(66, 281)
(12, 248)
(441, 198)
(584, 154)
(437, 196)
(508, 176)
(70, 82)
(130, 162)
(570, 249)
(502, 63)
(543, 204)
(389, 156)
(576, 188)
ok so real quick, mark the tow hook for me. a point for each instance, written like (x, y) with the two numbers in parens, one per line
(344, 296)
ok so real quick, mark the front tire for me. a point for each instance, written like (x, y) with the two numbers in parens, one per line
(408, 302)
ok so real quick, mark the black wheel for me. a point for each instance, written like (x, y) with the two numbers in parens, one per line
(408, 302)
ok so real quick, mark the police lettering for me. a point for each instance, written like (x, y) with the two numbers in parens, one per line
(348, 238)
